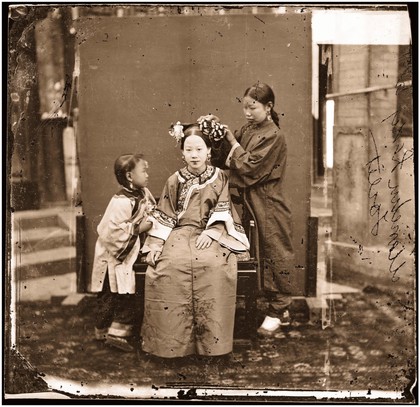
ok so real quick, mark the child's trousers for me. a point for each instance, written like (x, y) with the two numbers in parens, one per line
(117, 312)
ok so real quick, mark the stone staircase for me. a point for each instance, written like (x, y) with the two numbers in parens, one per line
(43, 252)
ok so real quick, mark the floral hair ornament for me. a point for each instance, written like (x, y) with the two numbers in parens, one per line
(214, 130)
(177, 131)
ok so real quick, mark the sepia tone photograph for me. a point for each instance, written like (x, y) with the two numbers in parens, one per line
(209, 203)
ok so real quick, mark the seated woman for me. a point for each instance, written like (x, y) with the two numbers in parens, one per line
(190, 287)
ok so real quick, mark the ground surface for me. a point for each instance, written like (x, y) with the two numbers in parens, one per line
(369, 345)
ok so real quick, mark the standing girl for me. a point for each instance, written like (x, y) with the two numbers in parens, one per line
(116, 251)
(256, 156)
(190, 289)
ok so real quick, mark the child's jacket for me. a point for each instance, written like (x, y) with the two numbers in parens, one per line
(118, 243)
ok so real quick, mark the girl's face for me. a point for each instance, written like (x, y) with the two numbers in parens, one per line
(195, 154)
(255, 112)
(138, 176)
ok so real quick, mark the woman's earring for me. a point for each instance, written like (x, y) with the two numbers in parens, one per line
(183, 159)
(208, 157)
(130, 184)
(269, 116)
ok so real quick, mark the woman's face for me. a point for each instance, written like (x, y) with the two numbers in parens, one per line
(195, 154)
(255, 112)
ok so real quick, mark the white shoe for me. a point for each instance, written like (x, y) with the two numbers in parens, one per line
(269, 326)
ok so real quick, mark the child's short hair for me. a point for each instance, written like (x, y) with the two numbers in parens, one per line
(123, 164)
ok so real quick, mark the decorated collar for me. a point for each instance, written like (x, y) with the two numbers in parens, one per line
(136, 193)
(203, 177)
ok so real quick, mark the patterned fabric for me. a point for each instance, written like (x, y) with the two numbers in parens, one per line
(190, 294)
(187, 180)
(202, 201)
(164, 219)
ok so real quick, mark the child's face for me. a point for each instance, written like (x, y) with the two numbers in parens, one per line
(195, 154)
(138, 176)
(255, 112)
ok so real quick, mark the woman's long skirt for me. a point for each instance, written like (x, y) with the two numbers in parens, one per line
(190, 298)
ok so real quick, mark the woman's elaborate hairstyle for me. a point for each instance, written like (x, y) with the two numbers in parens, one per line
(262, 93)
(123, 164)
(193, 129)
(210, 131)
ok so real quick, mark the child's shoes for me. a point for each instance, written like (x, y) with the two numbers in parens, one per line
(285, 318)
(101, 333)
(127, 344)
(271, 326)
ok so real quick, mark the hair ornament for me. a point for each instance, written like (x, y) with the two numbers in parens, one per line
(177, 131)
(214, 130)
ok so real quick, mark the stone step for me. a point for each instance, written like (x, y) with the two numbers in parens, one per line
(43, 288)
(323, 214)
(44, 263)
(45, 256)
(25, 220)
(44, 238)
(321, 202)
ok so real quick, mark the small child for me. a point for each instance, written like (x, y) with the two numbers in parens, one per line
(116, 251)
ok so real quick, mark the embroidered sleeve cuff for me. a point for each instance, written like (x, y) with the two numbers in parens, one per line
(213, 233)
(158, 230)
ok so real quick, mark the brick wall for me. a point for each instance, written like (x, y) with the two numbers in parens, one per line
(373, 198)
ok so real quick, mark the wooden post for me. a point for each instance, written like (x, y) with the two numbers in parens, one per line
(81, 278)
(312, 257)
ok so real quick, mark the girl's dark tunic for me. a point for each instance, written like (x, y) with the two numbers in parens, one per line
(258, 167)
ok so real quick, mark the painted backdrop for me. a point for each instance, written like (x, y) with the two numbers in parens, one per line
(138, 75)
